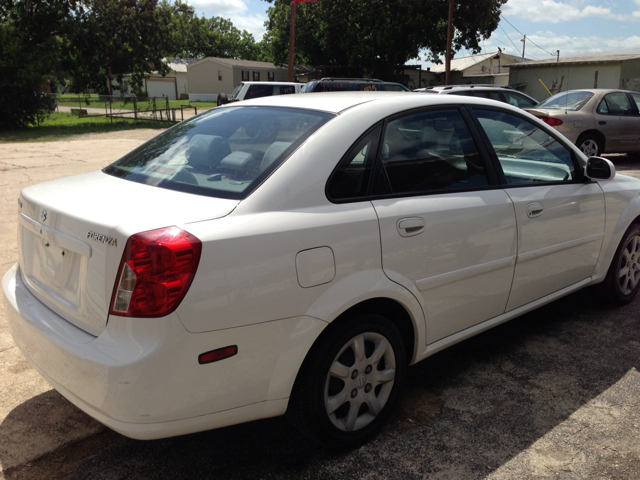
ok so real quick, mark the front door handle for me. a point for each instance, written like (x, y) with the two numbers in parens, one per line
(408, 227)
(534, 209)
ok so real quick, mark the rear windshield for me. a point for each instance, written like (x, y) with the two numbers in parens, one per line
(566, 101)
(224, 153)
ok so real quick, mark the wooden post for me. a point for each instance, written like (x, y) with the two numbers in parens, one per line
(449, 35)
(292, 39)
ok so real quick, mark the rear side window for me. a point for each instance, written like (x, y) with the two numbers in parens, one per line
(257, 91)
(224, 153)
(526, 153)
(351, 179)
(431, 151)
(332, 87)
(518, 100)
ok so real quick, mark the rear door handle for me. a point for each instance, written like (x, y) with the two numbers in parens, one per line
(408, 227)
(602, 122)
(534, 209)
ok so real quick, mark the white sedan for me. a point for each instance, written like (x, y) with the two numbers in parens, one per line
(294, 254)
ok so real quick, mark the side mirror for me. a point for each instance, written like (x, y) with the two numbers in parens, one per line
(599, 168)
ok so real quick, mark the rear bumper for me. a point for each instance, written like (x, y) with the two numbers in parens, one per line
(141, 377)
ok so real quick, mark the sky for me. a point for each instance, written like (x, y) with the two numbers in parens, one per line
(572, 26)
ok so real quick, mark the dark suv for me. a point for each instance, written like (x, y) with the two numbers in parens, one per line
(352, 85)
(494, 92)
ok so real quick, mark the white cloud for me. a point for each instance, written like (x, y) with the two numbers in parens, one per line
(555, 12)
(235, 10)
(219, 8)
(253, 24)
(567, 45)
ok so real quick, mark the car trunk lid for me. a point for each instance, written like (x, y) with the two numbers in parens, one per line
(73, 231)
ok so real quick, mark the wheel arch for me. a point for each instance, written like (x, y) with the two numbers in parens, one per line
(627, 217)
(596, 133)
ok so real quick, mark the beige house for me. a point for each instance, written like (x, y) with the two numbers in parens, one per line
(214, 75)
(486, 68)
(174, 85)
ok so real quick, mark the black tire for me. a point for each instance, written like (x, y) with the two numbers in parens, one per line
(623, 278)
(223, 99)
(590, 144)
(374, 383)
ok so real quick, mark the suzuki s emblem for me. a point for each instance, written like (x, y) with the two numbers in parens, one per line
(43, 215)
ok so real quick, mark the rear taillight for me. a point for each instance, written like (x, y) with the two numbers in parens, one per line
(155, 273)
(554, 122)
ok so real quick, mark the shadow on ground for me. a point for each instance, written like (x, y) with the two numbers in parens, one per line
(464, 413)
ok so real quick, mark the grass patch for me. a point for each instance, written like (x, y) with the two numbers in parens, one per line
(61, 126)
(74, 101)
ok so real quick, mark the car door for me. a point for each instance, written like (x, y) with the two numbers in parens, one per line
(617, 119)
(560, 215)
(635, 97)
(448, 232)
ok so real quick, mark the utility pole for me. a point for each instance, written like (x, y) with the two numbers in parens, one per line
(292, 34)
(448, 54)
(292, 39)
(524, 44)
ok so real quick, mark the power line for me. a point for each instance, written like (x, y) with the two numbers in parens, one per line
(514, 45)
(529, 39)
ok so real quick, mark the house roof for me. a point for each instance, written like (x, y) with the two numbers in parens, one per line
(599, 57)
(234, 62)
(462, 63)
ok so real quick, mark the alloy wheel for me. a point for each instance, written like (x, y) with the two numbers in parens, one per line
(360, 381)
(629, 267)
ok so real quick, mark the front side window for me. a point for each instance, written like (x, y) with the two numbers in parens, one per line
(224, 153)
(636, 99)
(615, 104)
(527, 153)
(256, 76)
(431, 151)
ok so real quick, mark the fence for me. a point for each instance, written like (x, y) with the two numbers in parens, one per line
(137, 108)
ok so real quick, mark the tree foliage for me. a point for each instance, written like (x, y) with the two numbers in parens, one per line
(31, 34)
(377, 35)
(90, 41)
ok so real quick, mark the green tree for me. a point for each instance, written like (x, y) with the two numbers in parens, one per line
(31, 45)
(112, 38)
(376, 35)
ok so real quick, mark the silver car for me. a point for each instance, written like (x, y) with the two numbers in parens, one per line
(596, 120)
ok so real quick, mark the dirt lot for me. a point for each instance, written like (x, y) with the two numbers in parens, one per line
(553, 394)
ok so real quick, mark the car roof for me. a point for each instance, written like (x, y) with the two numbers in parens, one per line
(336, 102)
(270, 83)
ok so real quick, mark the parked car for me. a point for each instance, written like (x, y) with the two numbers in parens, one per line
(294, 254)
(494, 92)
(249, 90)
(331, 84)
(596, 120)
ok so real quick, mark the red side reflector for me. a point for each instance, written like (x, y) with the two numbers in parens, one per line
(219, 354)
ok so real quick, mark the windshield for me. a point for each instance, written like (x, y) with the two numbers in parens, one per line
(566, 101)
(237, 91)
(224, 153)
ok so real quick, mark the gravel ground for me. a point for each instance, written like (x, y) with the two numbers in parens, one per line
(553, 394)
